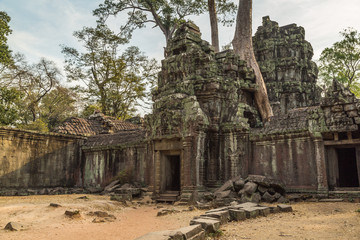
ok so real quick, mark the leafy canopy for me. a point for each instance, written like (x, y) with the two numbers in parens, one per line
(342, 62)
(165, 14)
(109, 79)
(5, 53)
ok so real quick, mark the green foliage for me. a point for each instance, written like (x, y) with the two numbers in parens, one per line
(5, 53)
(109, 79)
(9, 105)
(124, 176)
(44, 102)
(342, 62)
(165, 14)
(57, 106)
(215, 235)
(38, 125)
(358, 210)
(168, 15)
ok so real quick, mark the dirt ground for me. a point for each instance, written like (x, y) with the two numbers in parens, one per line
(308, 221)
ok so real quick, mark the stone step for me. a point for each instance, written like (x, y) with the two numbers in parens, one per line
(209, 225)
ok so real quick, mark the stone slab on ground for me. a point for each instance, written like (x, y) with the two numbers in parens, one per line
(245, 205)
(251, 212)
(285, 208)
(223, 216)
(192, 232)
(163, 235)
(263, 211)
(208, 225)
(237, 214)
(15, 226)
(217, 210)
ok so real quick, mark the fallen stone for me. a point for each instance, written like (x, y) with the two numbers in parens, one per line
(217, 210)
(283, 199)
(262, 189)
(250, 188)
(14, 226)
(251, 212)
(267, 197)
(245, 205)
(55, 205)
(226, 186)
(285, 208)
(112, 186)
(223, 194)
(263, 211)
(164, 212)
(192, 232)
(274, 209)
(208, 225)
(223, 216)
(239, 184)
(83, 198)
(121, 197)
(237, 215)
(102, 214)
(163, 235)
(72, 214)
(267, 182)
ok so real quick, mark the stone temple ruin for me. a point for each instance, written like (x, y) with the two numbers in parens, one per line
(205, 128)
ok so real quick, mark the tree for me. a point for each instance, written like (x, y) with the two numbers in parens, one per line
(35, 81)
(243, 47)
(165, 14)
(57, 106)
(5, 53)
(10, 99)
(342, 62)
(225, 9)
(115, 81)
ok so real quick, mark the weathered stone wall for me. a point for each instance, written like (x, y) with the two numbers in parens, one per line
(289, 158)
(35, 160)
(107, 157)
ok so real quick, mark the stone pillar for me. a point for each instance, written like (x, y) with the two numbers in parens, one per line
(187, 171)
(157, 171)
(320, 165)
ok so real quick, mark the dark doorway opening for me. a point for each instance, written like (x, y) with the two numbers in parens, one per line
(172, 173)
(348, 171)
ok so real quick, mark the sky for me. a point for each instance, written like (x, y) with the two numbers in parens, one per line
(41, 26)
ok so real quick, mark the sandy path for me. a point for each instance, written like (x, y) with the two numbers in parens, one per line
(311, 221)
(45, 222)
(330, 221)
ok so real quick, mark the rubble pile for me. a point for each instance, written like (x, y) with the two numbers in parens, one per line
(254, 188)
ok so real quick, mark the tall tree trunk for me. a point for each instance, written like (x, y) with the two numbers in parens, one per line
(214, 25)
(243, 46)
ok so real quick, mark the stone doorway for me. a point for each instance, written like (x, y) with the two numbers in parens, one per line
(172, 173)
(348, 169)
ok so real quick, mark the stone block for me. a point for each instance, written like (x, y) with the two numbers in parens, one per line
(208, 225)
(217, 209)
(226, 186)
(263, 211)
(223, 216)
(357, 120)
(191, 231)
(274, 209)
(245, 205)
(251, 212)
(352, 113)
(223, 194)
(250, 188)
(267, 197)
(239, 184)
(15, 226)
(337, 108)
(237, 214)
(349, 107)
(285, 208)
